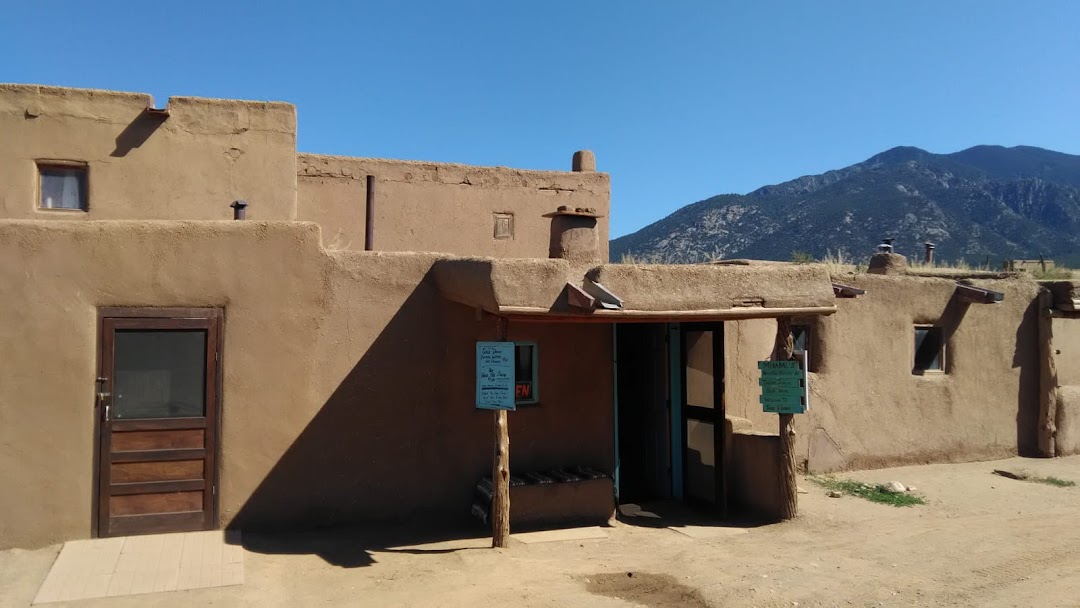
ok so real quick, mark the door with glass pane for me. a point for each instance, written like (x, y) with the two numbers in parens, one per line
(157, 406)
(703, 415)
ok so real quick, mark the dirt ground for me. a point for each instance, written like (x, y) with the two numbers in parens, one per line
(981, 540)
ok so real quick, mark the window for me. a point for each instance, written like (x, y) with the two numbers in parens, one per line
(526, 388)
(800, 335)
(929, 349)
(504, 225)
(62, 186)
(804, 339)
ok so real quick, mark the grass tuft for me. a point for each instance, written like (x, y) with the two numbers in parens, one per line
(1053, 481)
(868, 491)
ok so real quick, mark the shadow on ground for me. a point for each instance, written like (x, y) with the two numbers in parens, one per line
(668, 514)
(353, 546)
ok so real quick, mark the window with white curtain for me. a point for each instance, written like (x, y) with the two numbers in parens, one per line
(62, 187)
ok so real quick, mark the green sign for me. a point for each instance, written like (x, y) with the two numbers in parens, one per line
(782, 391)
(780, 400)
(781, 381)
(782, 373)
(775, 365)
(783, 387)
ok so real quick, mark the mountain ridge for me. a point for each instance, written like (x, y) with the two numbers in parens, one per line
(982, 202)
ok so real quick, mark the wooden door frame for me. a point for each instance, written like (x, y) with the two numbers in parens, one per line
(156, 314)
(718, 413)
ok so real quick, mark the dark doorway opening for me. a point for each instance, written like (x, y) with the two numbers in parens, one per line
(643, 413)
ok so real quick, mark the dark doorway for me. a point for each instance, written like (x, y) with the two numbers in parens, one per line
(157, 399)
(643, 424)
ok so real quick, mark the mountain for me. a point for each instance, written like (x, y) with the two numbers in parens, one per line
(984, 202)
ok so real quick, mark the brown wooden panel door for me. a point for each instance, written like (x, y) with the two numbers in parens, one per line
(158, 404)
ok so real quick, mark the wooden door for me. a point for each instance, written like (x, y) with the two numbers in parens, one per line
(703, 414)
(158, 404)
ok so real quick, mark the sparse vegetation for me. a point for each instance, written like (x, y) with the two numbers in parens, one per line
(629, 258)
(868, 491)
(1057, 273)
(839, 263)
(801, 257)
(1053, 481)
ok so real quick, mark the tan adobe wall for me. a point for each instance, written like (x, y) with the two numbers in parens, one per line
(192, 165)
(422, 206)
(1066, 344)
(868, 409)
(348, 381)
(754, 470)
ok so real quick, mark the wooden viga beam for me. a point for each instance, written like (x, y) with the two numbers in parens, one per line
(577, 298)
(978, 295)
(604, 298)
(846, 291)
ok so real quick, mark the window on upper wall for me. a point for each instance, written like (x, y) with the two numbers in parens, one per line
(62, 186)
(526, 370)
(800, 335)
(929, 350)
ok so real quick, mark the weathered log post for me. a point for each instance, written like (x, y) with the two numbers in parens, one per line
(789, 496)
(500, 472)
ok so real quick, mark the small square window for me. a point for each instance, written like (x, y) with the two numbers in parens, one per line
(526, 388)
(62, 187)
(929, 349)
(504, 225)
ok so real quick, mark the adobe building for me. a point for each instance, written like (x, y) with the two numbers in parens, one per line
(203, 328)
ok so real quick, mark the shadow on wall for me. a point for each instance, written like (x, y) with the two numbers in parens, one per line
(1026, 357)
(136, 133)
(950, 318)
(365, 457)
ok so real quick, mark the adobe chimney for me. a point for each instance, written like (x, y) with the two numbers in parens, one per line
(574, 235)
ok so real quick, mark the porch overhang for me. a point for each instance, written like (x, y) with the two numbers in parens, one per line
(553, 290)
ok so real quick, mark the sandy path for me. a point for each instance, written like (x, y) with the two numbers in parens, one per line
(981, 540)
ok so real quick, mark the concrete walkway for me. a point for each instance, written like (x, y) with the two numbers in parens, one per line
(112, 567)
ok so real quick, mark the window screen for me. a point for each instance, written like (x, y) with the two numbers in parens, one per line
(62, 187)
(929, 349)
(525, 373)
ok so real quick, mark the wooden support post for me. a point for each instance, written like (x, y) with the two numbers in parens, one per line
(789, 496)
(500, 472)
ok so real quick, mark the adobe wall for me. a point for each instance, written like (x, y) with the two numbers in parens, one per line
(1067, 344)
(754, 474)
(347, 380)
(191, 165)
(206, 153)
(1066, 357)
(422, 206)
(867, 408)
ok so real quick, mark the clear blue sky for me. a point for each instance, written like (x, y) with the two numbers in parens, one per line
(679, 100)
